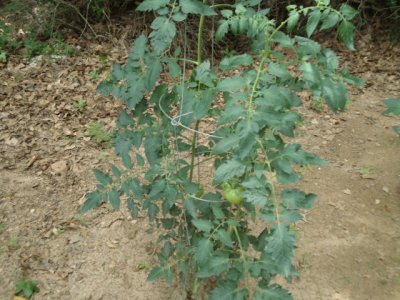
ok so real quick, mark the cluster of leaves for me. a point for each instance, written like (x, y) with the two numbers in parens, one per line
(7, 40)
(393, 108)
(26, 288)
(18, 30)
(96, 130)
(10, 42)
(206, 242)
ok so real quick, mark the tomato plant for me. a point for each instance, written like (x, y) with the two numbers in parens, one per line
(206, 244)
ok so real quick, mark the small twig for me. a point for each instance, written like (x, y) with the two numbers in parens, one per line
(87, 24)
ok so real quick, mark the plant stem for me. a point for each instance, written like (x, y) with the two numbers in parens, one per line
(199, 61)
(194, 150)
(200, 39)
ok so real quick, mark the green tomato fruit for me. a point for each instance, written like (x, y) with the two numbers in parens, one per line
(234, 196)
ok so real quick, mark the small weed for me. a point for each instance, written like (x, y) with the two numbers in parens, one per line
(18, 77)
(95, 74)
(14, 243)
(26, 288)
(97, 133)
(81, 105)
(3, 228)
(318, 104)
(364, 171)
(80, 218)
(104, 157)
(103, 58)
(305, 260)
(3, 56)
(143, 266)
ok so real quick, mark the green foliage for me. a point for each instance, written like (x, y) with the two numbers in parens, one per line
(393, 108)
(81, 105)
(26, 288)
(97, 132)
(8, 43)
(207, 234)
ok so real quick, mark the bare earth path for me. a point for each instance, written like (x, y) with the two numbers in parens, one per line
(349, 245)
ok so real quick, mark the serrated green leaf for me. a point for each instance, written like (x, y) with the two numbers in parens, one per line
(174, 68)
(233, 62)
(214, 267)
(231, 168)
(294, 17)
(247, 131)
(221, 31)
(196, 7)
(272, 292)
(346, 33)
(179, 17)
(224, 237)
(311, 75)
(171, 195)
(335, 94)
(102, 177)
(163, 34)
(132, 185)
(352, 79)
(332, 61)
(116, 171)
(330, 21)
(152, 148)
(155, 274)
(290, 216)
(348, 11)
(279, 70)
(231, 84)
(138, 50)
(163, 11)
(216, 209)
(140, 160)
(393, 106)
(134, 93)
(255, 197)
(203, 251)
(283, 39)
(225, 145)
(124, 120)
(308, 48)
(297, 199)
(313, 21)
(113, 198)
(157, 189)
(226, 13)
(204, 75)
(123, 146)
(233, 111)
(148, 5)
(280, 245)
(203, 102)
(202, 225)
(152, 209)
(154, 69)
(224, 291)
(93, 200)
(277, 98)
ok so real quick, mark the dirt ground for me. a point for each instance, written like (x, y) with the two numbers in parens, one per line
(349, 243)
